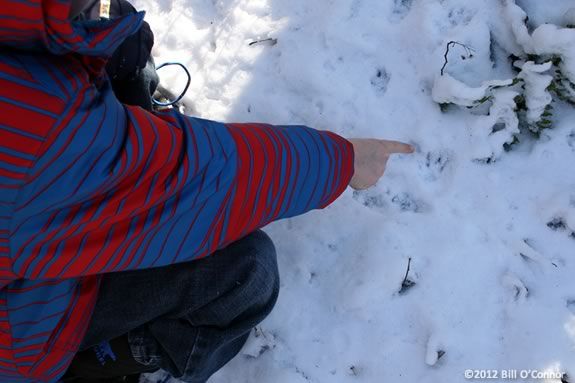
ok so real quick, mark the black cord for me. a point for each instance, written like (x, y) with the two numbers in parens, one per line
(170, 103)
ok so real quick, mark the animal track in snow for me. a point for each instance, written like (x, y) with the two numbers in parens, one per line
(436, 163)
(260, 342)
(370, 199)
(559, 224)
(518, 288)
(379, 201)
(570, 304)
(405, 202)
(354, 8)
(380, 80)
(434, 351)
(400, 9)
(532, 257)
(460, 16)
(354, 370)
(571, 140)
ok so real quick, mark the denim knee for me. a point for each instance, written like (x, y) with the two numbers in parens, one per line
(227, 295)
(264, 279)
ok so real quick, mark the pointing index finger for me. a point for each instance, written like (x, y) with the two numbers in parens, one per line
(398, 147)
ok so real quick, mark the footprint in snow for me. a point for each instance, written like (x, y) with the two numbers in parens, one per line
(405, 202)
(536, 261)
(519, 291)
(354, 8)
(380, 80)
(372, 199)
(400, 9)
(570, 304)
(259, 342)
(436, 164)
(434, 351)
(559, 224)
(461, 16)
(381, 201)
(571, 140)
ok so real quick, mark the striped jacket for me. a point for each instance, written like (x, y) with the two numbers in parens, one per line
(91, 186)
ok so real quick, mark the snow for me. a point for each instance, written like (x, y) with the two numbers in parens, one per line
(548, 11)
(488, 140)
(516, 17)
(569, 17)
(552, 40)
(447, 90)
(491, 245)
(536, 82)
(546, 39)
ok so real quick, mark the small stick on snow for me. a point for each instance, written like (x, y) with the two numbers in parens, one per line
(269, 41)
(468, 49)
(407, 283)
(406, 272)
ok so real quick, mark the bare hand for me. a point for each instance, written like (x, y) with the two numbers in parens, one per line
(371, 156)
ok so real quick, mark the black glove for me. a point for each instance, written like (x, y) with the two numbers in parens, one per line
(131, 68)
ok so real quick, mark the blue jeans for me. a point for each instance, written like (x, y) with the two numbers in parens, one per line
(190, 318)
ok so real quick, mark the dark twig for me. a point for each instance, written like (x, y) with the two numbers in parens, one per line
(468, 50)
(269, 41)
(406, 272)
(407, 283)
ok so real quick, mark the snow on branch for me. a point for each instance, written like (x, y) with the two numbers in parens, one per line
(537, 96)
(545, 61)
(448, 90)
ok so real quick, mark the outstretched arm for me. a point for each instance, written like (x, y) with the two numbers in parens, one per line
(118, 188)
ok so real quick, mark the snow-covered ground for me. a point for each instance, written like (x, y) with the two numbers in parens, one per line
(494, 284)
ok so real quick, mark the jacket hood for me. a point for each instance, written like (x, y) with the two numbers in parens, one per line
(43, 25)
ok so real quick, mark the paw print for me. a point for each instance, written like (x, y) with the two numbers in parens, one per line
(380, 80)
(401, 9)
(436, 163)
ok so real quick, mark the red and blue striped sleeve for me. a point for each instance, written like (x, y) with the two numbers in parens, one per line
(117, 188)
(89, 186)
